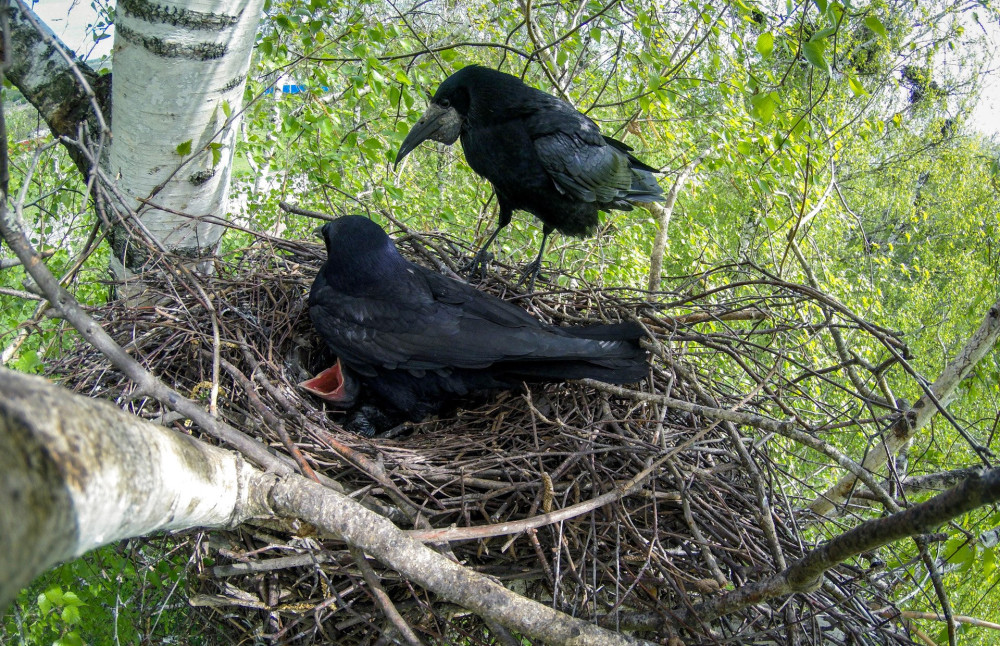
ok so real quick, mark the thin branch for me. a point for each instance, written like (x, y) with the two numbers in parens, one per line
(806, 573)
(942, 390)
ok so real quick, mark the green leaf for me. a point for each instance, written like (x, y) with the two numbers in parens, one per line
(824, 33)
(856, 87)
(184, 148)
(763, 106)
(71, 638)
(28, 362)
(71, 614)
(876, 26)
(71, 599)
(765, 44)
(216, 149)
(54, 595)
(226, 109)
(813, 51)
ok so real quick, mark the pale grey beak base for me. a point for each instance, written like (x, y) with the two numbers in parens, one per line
(438, 124)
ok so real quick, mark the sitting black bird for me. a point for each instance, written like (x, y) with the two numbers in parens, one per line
(416, 340)
(538, 152)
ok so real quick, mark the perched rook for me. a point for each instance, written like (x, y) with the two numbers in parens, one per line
(538, 152)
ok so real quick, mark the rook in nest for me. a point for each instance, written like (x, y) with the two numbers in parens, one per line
(414, 340)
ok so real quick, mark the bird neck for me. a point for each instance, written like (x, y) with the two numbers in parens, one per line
(360, 273)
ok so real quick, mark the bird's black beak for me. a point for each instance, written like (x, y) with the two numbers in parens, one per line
(437, 123)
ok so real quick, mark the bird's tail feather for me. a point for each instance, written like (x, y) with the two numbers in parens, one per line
(644, 188)
(615, 371)
(628, 331)
(617, 358)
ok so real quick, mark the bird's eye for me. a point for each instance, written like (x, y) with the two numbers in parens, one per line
(445, 103)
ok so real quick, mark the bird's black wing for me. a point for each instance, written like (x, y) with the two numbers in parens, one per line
(446, 329)
(576, 155)
(474, 303)
(366, 333)
(440, 324)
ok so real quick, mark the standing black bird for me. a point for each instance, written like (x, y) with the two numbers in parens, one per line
(416, 339)
(538, 152)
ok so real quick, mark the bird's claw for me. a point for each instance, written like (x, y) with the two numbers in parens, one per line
(530, 273)
(478, 264)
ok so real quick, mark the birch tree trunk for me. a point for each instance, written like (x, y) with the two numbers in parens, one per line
(179, 72)
(78, 473)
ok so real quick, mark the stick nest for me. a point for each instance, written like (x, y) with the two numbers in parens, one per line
(690, 526)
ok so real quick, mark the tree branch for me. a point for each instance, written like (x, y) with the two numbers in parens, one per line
(662, 213)
(67, 93)
(79, 473)
(942, 390)
(805, 574)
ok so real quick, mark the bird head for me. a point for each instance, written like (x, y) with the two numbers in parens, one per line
(443, 119)
(358, 250)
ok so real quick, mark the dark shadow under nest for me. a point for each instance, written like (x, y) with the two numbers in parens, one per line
(691, 524)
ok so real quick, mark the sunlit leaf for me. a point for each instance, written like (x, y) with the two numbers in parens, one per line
(856, 87)
(763, 106)
(813, 51)
(876, 26)
(216, 149)
(765, 44)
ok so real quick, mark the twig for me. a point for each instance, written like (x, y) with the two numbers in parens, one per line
(805, 573)
(382, 598)
(942, 390)
(70, 309)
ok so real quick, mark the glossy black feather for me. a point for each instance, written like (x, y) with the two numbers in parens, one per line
(541, 154)
(416, 339)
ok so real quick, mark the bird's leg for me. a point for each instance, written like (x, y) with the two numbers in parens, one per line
(481, 259)
(534, 267)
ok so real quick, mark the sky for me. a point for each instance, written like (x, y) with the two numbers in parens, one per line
(69, 20)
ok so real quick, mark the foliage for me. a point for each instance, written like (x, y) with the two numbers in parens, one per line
(130, 593)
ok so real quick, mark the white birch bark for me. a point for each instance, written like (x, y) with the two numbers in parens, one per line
(178, 68)
(77, 473)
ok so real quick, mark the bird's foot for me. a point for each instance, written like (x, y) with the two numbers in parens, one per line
(531, 272)
(478, 264)
(368, 420)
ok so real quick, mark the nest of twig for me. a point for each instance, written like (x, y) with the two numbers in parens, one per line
(686, 497)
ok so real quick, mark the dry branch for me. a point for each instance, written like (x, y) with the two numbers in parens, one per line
(805, 574)
(80, 473)
(942, 392)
